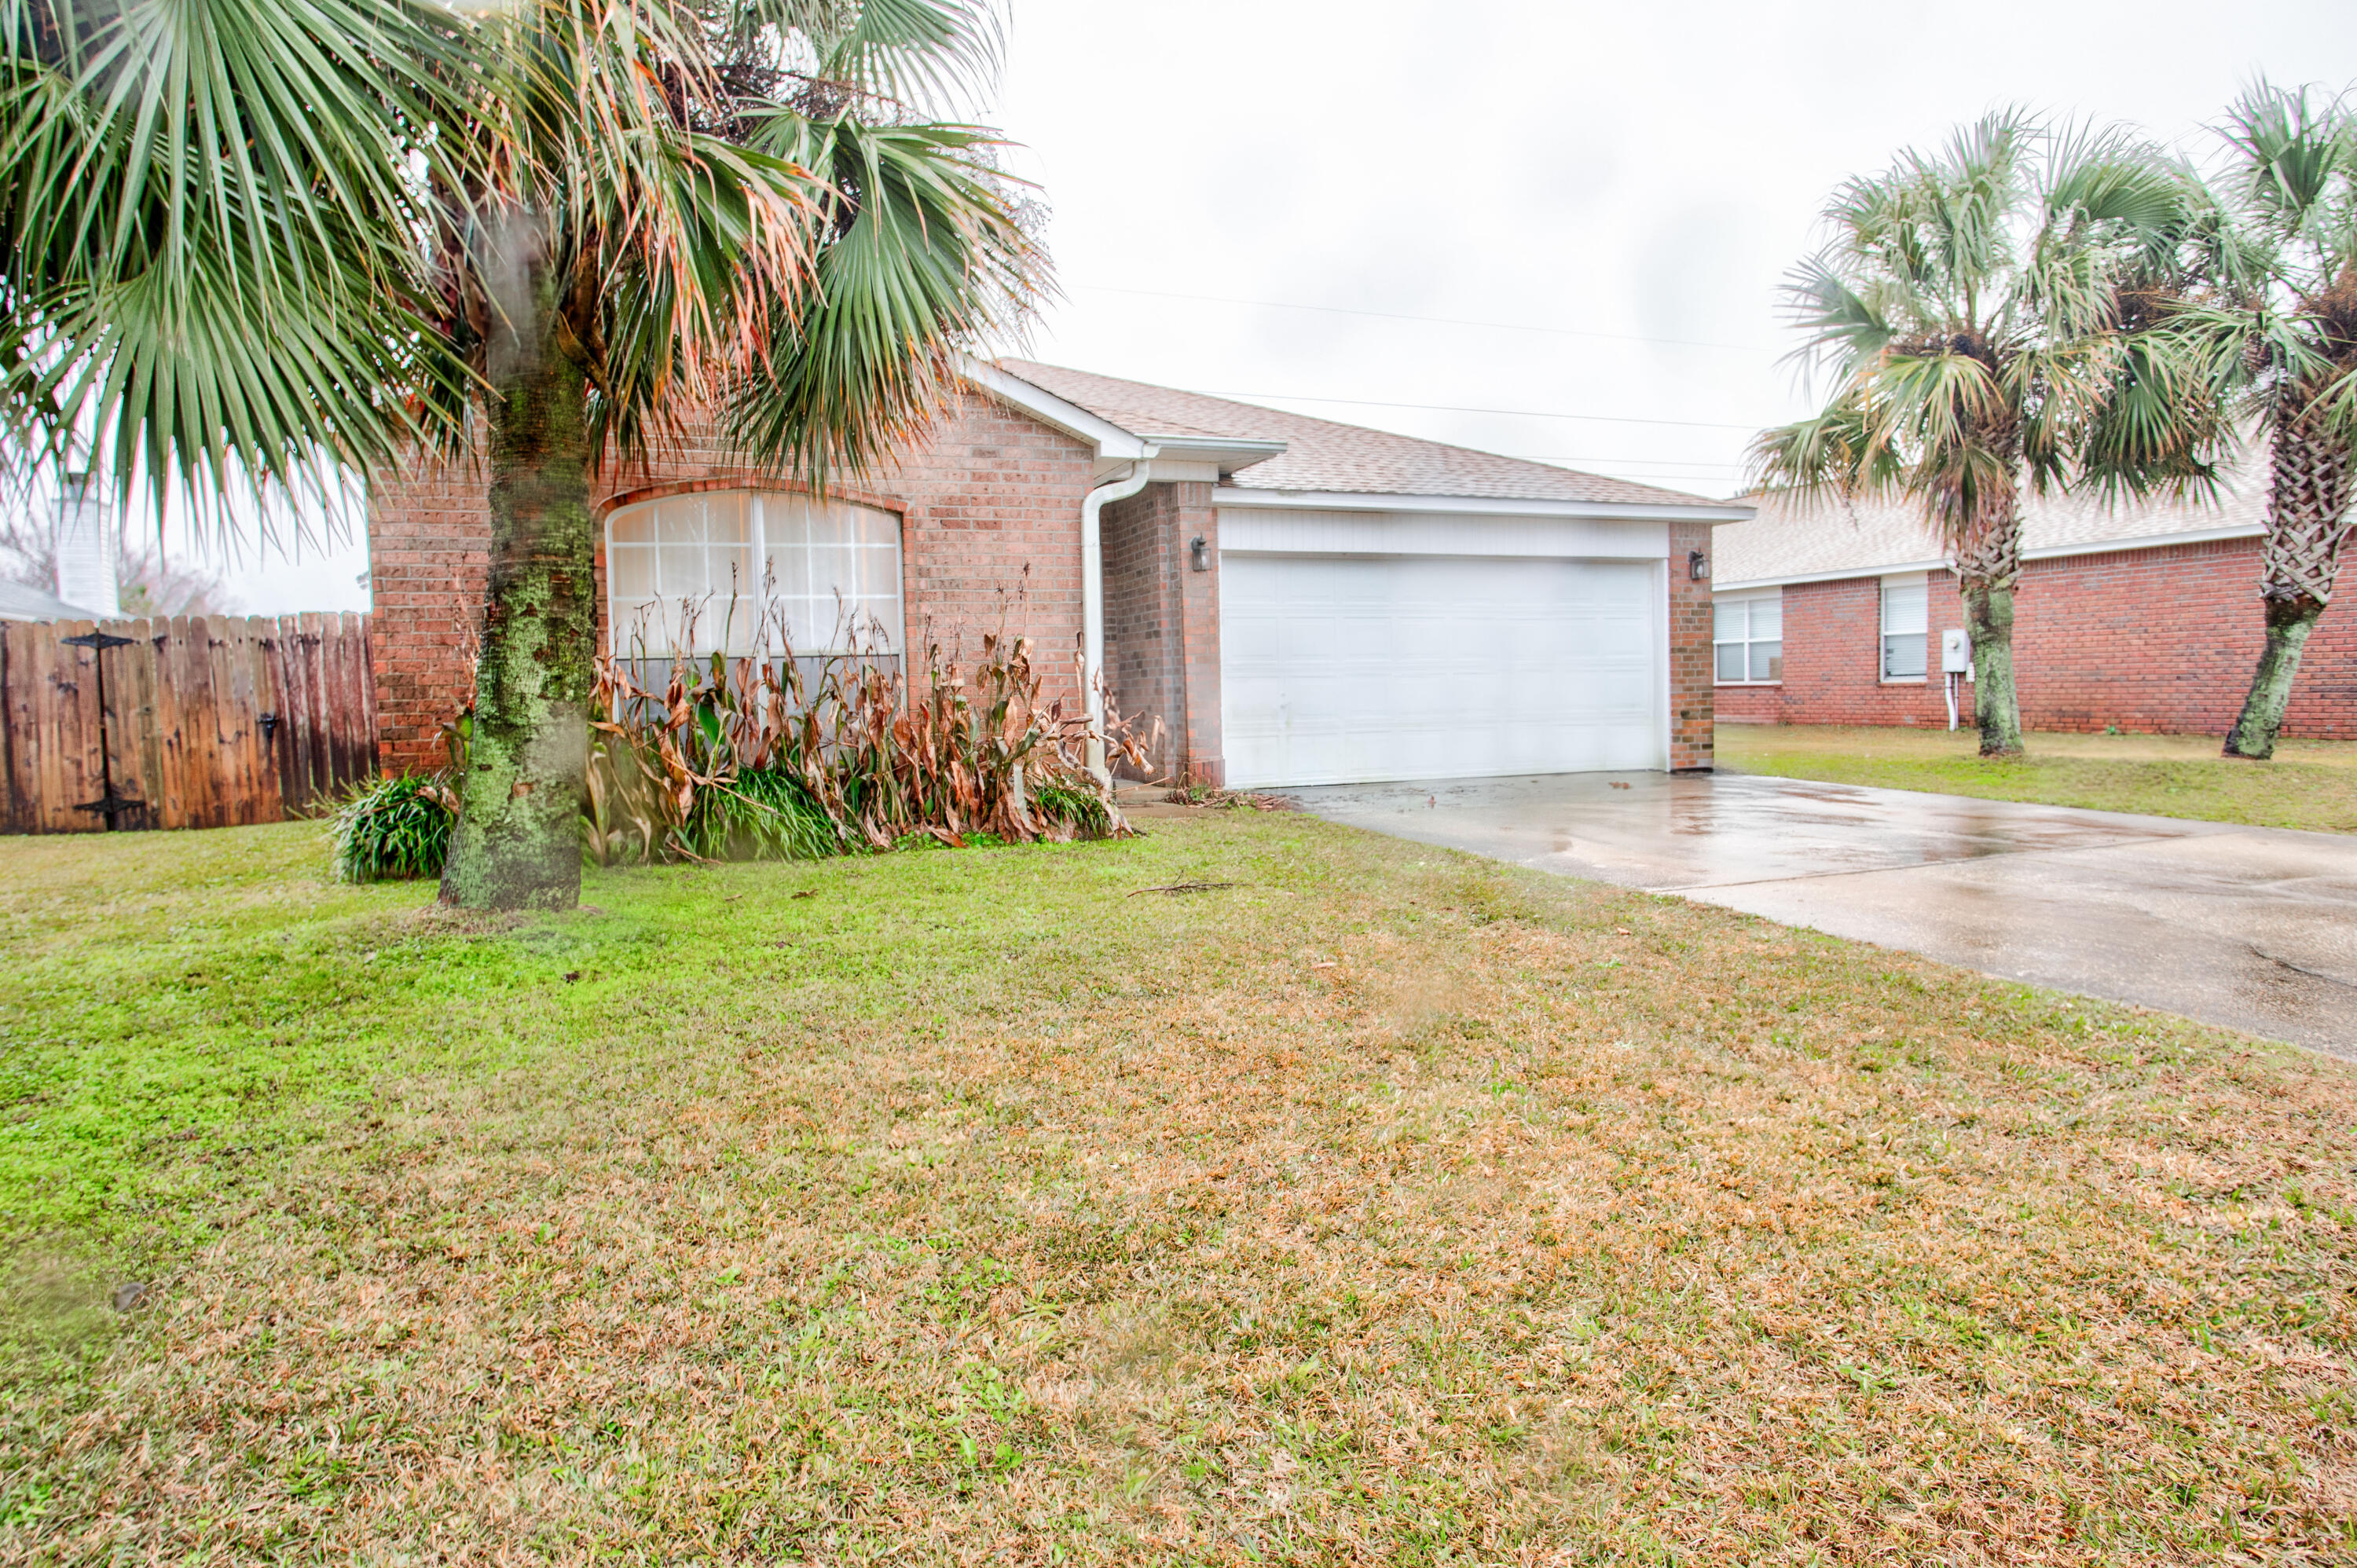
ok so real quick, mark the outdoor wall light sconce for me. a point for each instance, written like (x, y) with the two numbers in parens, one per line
(1198, 554)
(1697, 566)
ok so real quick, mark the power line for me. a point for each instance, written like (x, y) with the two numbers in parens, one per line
(1440, 320)
(1459, 408)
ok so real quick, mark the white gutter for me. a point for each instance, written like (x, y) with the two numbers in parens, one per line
(1092, 600)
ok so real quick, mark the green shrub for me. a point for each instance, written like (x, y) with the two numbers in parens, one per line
(392, 828)
(1083, 811)
(766, 813)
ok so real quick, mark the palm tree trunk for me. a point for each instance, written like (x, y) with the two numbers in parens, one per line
(2309, 485)
(1987, 566)
(518, 840)
(1996, 708)
(2289, 621)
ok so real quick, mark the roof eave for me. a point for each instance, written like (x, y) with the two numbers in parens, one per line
(1108, 443)
(1230, 452)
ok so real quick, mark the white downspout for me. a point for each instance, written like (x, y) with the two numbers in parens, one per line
(1092, 601)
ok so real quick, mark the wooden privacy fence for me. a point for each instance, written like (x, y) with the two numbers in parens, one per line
(194, 722)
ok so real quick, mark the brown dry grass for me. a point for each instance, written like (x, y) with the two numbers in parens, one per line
(1388, 1206)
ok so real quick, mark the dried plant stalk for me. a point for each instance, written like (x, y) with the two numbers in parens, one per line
(766, 753)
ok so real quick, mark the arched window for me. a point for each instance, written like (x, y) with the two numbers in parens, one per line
(703, 573)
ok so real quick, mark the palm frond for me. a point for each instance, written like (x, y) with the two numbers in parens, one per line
(208, 215)
(1840, 452)
(1840, 326)
(2294, 153)
(926, 258)
(2156, 422)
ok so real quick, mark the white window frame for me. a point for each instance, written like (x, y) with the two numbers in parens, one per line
(1914, 603)
(832, 570)
(1751, 637)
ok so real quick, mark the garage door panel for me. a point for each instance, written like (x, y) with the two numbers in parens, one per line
(1342, 669)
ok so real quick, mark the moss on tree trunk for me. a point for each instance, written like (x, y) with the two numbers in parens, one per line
(518, 840)
(1988, 616)
(2289, 621)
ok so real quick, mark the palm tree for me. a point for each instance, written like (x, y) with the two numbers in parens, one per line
(1970, 310)
(542, 236)
(2276, 327)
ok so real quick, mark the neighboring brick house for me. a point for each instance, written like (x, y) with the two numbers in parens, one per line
(1297, 601)
(2143, 617)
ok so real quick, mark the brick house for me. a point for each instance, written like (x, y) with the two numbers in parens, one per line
(2143, 617)
(1297, 601)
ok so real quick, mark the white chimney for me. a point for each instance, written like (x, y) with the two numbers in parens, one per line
(86, 555)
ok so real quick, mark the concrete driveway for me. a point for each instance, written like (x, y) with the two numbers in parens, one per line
(2251, 928)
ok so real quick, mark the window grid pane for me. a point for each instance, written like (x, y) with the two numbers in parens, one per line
(728, 571)
(1748, 638)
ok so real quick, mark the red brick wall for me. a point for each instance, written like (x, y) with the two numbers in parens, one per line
(1141, 637)
(990, 512)
(2156, 641)
(429, 544)
(1833, 660)
(1162, 650)
(1693, 701)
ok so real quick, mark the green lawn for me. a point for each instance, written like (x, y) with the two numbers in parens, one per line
(1385, 1206)
(2310, 784)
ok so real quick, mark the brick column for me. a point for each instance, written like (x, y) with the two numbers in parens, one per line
(1162, 623)
(1192, 516)
(1691, 712)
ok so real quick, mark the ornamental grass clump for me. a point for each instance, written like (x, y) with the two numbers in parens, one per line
(771, 756)
(393, 828)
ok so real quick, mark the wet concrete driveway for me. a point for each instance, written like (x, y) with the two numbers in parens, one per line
(2251, 928)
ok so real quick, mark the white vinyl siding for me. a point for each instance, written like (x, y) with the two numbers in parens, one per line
(1906, 618)
(1748, 638)
(729, 571)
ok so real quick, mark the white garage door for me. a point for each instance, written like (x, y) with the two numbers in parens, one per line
(1350, 669)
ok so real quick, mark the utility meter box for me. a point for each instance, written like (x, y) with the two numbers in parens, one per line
(1955, 652)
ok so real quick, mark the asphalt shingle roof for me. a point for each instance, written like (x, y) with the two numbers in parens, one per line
(18, 602)
(1321, 455)
(1792, 539)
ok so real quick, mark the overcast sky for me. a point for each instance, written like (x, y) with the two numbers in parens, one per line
(1613, 190)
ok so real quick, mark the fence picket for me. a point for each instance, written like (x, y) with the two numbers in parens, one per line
(288, 751)
(79, 761)
(249, 695)
(335, 685)
(312, 714)
(17, 795)
(356, 710)
(128, 732)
